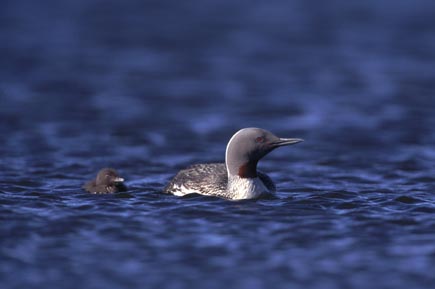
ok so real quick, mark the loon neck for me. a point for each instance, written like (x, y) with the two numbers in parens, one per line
(238, 161)
(244, 170)
(248, 170)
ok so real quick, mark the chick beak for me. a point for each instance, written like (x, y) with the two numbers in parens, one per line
(118, 180)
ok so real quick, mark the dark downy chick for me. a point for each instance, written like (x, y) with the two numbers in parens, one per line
(107, 181)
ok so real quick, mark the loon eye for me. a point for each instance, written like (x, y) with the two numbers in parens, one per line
(259, 139)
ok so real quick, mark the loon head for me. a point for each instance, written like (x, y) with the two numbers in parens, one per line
(248, 146)
(108, 177)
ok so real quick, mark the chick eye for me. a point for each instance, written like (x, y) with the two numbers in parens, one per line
(259, 139)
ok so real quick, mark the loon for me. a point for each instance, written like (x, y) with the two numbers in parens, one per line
(107, 181)
(237, 178)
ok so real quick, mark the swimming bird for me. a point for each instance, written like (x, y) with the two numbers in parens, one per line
(107, 181)
(237, 178)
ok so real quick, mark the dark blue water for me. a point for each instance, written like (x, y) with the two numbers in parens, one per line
(149, 87)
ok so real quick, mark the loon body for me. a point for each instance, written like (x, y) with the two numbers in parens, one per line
(237, 178)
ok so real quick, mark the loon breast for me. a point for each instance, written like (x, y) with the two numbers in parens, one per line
(248, 188)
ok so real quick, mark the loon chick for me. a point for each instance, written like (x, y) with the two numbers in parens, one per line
(107, 181)
(238, 178)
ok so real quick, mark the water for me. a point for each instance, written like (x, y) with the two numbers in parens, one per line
(149, 88)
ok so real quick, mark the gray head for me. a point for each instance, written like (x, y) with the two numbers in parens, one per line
(248, 146)
(108, 177)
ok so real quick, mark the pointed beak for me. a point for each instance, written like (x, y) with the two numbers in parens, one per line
(118, 180)
(286, 141)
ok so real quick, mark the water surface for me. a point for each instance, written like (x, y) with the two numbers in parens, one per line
(149, 88)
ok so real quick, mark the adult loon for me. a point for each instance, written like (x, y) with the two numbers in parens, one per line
(237, 178)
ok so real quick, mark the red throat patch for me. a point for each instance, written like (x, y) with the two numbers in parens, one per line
(248, 170)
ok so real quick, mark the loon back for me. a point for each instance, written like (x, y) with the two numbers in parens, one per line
(212, 180)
